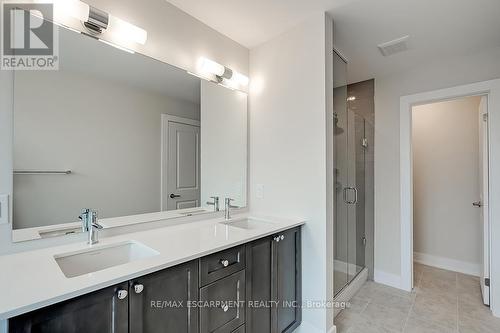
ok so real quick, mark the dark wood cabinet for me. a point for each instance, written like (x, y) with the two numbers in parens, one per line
(260, 282)
(287, 281)
(100, 311)
(274, 283)
(259, 289)
(160, 302)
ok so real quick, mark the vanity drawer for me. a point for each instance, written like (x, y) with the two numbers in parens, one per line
(223, 309)
(221, 264)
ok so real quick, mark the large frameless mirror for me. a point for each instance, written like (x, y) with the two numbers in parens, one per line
(123, 134)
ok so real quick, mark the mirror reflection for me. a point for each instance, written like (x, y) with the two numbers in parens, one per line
(123, 134)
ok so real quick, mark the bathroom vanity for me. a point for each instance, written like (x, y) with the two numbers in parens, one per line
(147, 156)
(242, 275)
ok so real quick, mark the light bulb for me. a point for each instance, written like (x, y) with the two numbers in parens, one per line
(125, 31)
(72, 8)
(211, 67)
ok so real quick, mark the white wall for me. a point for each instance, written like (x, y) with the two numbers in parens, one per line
(173, 37)
(388, 90)
(445, 146)
(223, 144)
(117, 139)
(289, 97)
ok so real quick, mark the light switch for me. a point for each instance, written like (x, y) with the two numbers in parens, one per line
(4, 209)
(259, 191)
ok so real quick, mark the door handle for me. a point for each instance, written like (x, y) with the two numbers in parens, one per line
(478, 204)
(351, 202)
(345, 195)
(173, 196)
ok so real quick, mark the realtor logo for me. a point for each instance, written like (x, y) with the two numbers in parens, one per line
(29, 38)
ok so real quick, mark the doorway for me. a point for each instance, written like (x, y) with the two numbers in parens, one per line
(450, 187)
(491, 89)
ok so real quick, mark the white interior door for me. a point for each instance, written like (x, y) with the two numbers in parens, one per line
(180, 163)
(483, 203)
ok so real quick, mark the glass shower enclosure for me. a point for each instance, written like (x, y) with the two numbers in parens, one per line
(353, 177)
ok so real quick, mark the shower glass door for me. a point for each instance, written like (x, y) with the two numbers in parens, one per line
(350, 182)
(340, 176)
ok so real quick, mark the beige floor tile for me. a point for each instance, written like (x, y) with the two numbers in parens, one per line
(439, 273)
(479, 326)
(368, 327)
(421, 325)
(401, 301)
(346, 319)
(436, 309)
(474, 311)
(357, 304)
(380, 316)
(417, 278)
(367, 291)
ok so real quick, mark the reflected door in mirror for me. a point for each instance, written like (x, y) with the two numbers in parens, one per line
(182, 164)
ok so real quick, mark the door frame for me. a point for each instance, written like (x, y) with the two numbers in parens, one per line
(165, 119)
(491, 89)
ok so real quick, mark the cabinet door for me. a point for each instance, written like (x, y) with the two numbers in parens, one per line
(159, 301)
(259, 263)
(287, 281)
(100, 311)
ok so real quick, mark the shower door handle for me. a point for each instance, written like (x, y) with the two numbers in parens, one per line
(346, 200)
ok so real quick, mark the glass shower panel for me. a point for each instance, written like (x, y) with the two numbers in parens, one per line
(357, 159)
(340, 177)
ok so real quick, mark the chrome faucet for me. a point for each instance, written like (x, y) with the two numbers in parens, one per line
(214, 203)
(90, 225)
(228, 207)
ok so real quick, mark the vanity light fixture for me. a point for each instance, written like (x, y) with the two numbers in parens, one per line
(351, 98)
(224, 75)
(97, 21)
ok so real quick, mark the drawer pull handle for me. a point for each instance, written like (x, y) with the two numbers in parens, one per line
(225, 307)
(138, 288)
(122, 294)
(224, 262)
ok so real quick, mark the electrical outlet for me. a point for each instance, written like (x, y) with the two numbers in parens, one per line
(4, 209)
(259, 191)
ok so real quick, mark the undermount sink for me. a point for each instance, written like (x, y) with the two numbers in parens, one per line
(97, 259)
(247, 224)
(60, 232)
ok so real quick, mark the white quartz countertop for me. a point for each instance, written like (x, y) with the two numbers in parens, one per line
(33, 279)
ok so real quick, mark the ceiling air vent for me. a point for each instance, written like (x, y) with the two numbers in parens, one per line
(394, 46)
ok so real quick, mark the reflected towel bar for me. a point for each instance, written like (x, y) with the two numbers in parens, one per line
(41, 172)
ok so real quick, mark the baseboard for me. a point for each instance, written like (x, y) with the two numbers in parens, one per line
(448, 264)
(388, 279)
